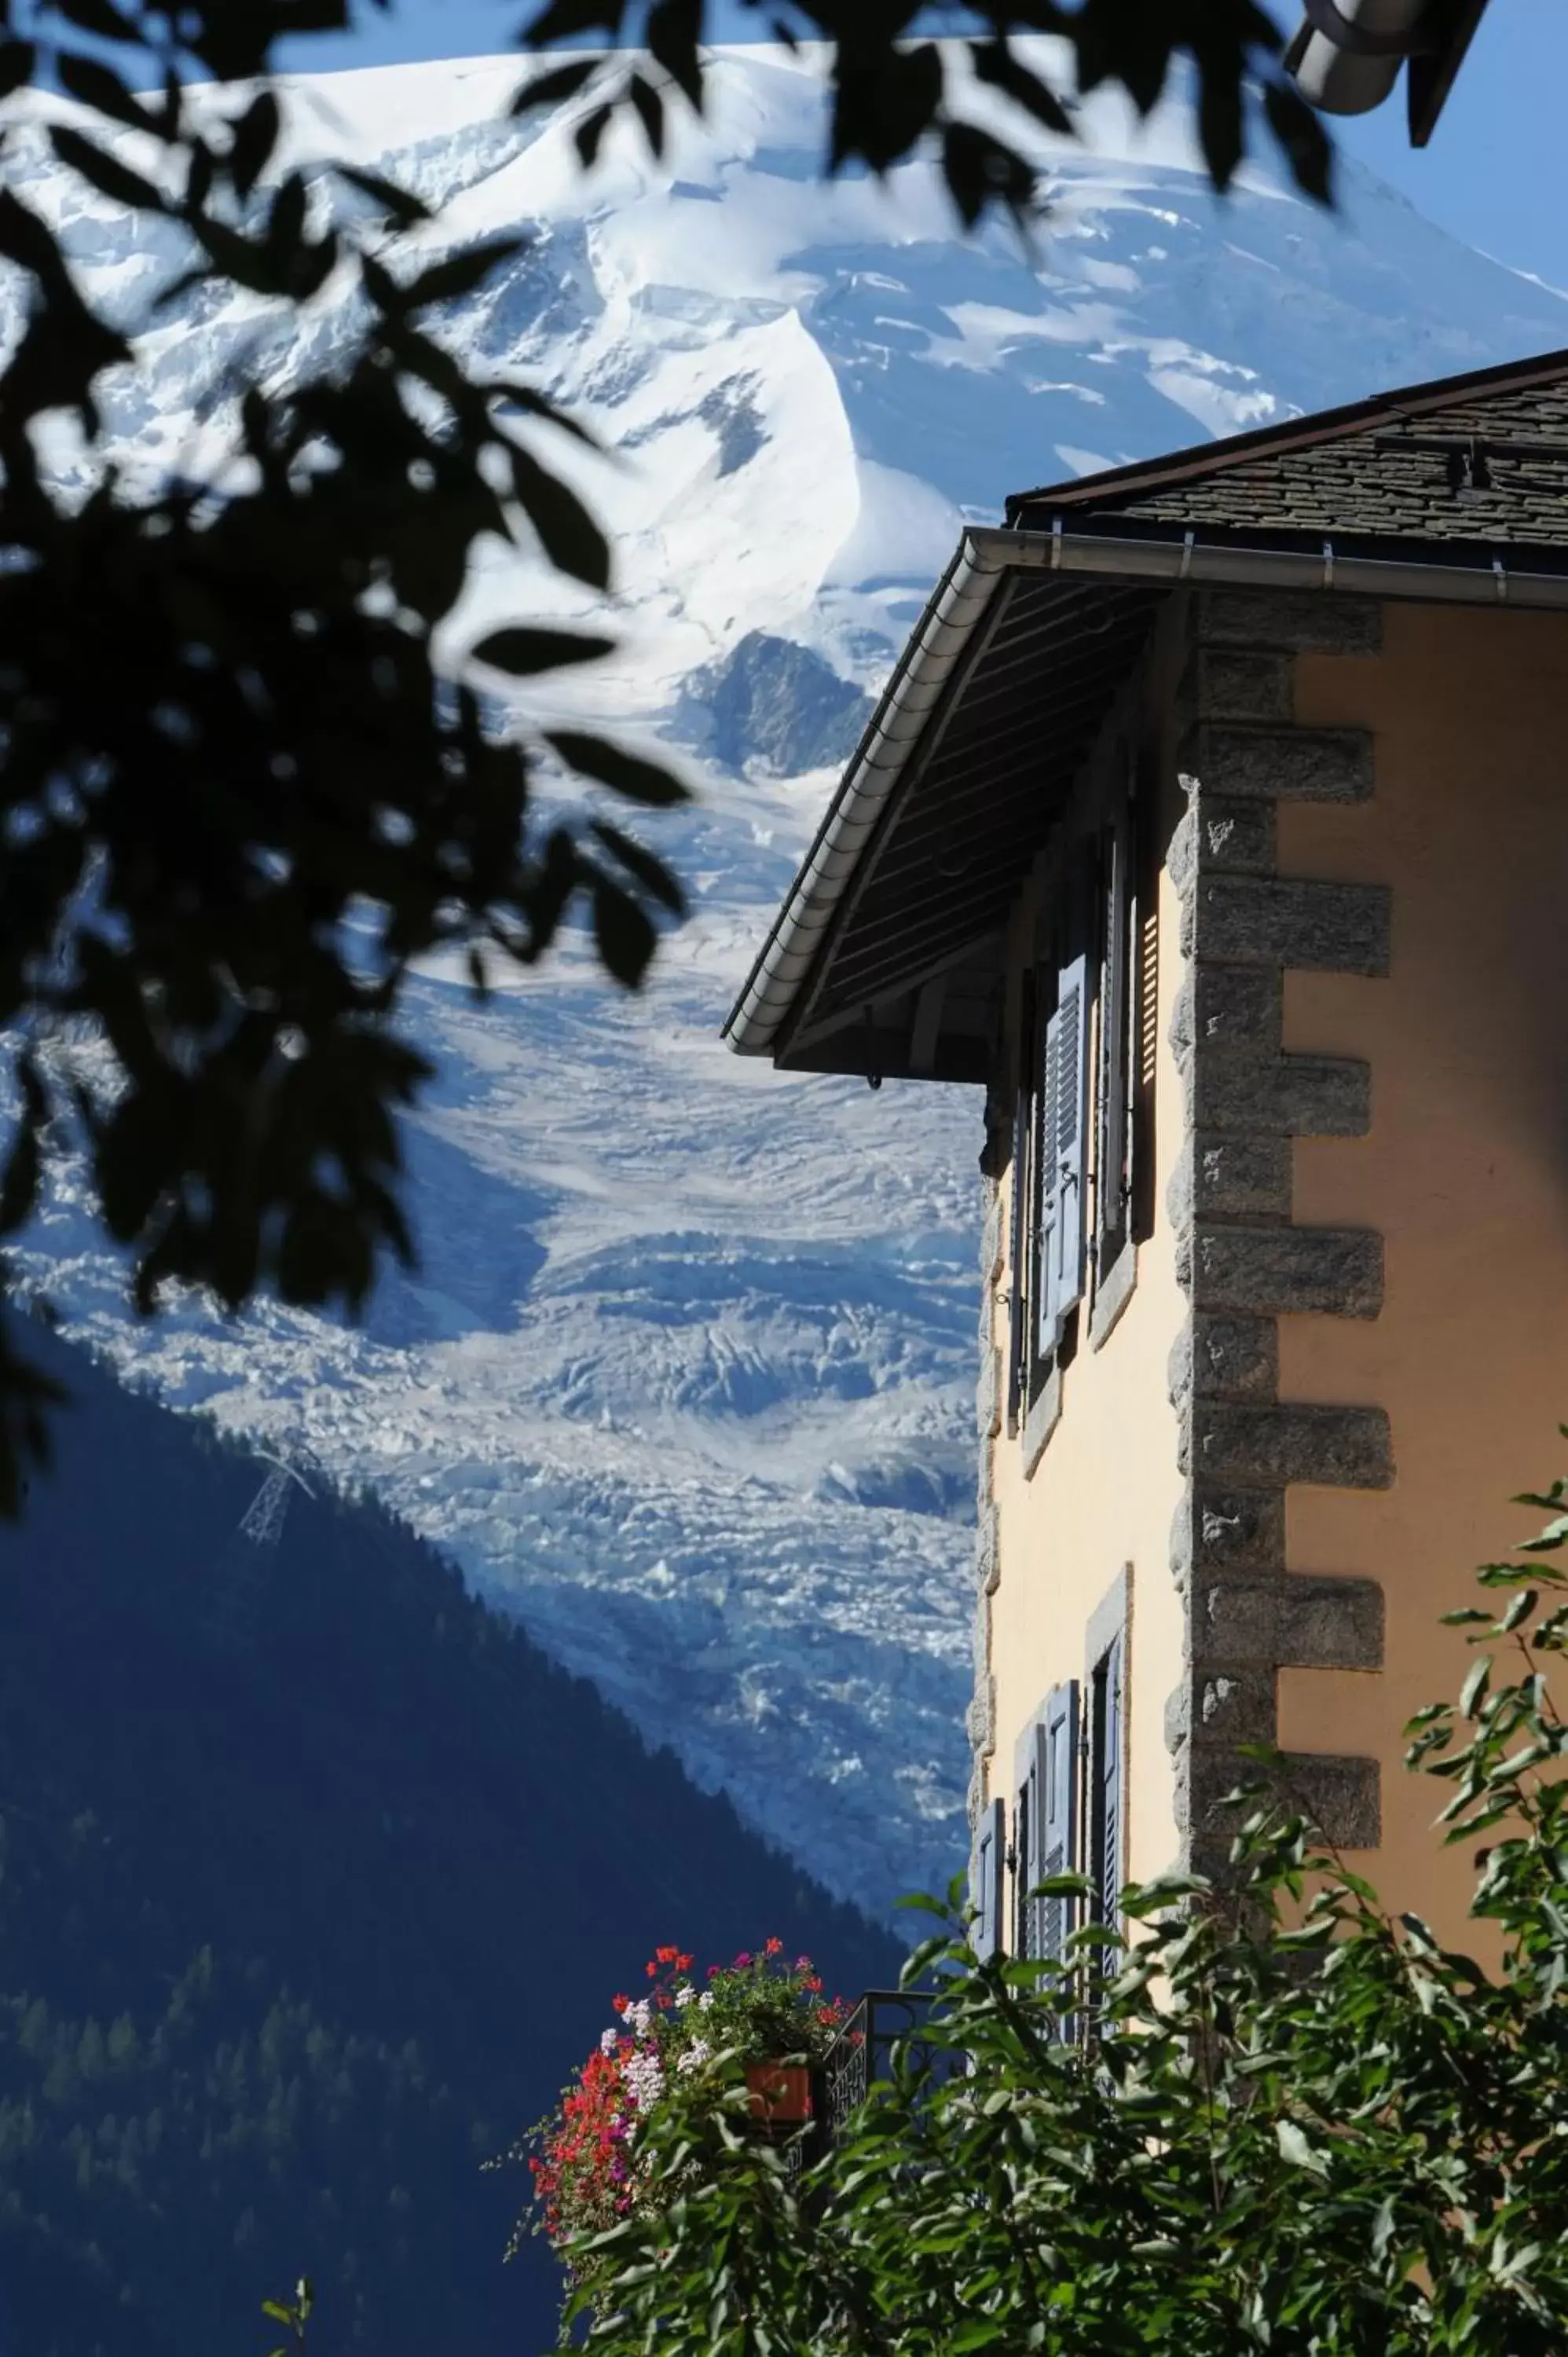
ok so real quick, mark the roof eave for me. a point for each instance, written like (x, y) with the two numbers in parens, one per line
(922, 671)
(1171, 555)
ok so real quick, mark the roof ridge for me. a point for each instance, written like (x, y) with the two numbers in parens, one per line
(1201, 459)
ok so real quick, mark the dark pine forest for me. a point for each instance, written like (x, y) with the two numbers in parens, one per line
(316, 1878)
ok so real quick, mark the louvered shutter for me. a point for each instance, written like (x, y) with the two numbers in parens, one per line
(1108, 1782)
(1115, 1042)
(1020, 1183)
(1028, 1837)
(1022, 1854)
(1071, 1095)
(1047, 1189)
(1059, 1850)
(985, 1881)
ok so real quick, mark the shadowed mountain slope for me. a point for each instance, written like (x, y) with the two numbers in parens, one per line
(316, 1878)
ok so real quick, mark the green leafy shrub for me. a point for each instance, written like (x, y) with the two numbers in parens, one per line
(1290, 2121)
(670, 2060)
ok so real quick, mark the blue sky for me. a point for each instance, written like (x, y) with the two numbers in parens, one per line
(1491, 174)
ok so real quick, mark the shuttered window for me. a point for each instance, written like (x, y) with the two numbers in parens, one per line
(1083, 1156)
(1105, 1781)
(1058, 1851)
(1018, 1241)
(1061, 1102)
(985, 1882)
(1118, 1062)
(1030, 1772)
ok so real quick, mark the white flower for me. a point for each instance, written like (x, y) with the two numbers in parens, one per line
(608, 2039)
(638, 2016)
(684, 1993)
(695, 2055)
(705, 2000)
(644, 2079)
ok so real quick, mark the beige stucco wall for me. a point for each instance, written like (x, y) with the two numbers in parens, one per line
(1464, 1171)
(1103, 1497)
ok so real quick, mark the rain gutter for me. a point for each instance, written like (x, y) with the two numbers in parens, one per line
(943, 636)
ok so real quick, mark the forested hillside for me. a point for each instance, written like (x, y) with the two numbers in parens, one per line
(315, 1880)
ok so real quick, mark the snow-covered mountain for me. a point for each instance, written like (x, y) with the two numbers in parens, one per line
(686, 1375)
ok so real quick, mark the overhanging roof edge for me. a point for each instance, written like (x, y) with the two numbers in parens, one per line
(1173, 557)
(935, 645)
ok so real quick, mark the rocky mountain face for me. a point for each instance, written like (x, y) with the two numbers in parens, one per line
(684, 1378)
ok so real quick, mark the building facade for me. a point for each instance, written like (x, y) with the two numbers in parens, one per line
(1213, 825)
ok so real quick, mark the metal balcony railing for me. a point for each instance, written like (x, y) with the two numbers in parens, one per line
(862, 2054)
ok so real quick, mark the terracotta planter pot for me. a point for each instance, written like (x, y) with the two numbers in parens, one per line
(781, 2093)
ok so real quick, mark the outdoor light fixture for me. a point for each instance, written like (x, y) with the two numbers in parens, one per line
(1347, 57)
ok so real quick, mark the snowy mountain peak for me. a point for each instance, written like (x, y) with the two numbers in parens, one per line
(685, 1376)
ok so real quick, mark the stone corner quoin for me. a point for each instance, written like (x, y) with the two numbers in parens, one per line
(1241, 1261)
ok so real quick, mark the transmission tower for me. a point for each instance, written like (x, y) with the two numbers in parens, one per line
(242, 1575)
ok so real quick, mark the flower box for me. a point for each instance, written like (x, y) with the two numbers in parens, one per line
(673, 2056)
(781, 2093)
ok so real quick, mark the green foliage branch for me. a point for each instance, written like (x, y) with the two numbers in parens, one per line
(294, 2315)
(894, 92)
(244, 784)
(680, 2051)
(245, 779)
(1296, 2122)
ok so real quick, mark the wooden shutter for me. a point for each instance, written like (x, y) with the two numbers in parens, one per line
(1028, 1838)
(1020, 1184)
(1112, 1161)
(1047, 1189)
(985, 1881)
(1067, 1116)
(1059, 1850)
(1022, 1854)
(1144, 1014)
(1106, 1779)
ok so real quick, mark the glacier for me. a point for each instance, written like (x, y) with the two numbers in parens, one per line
(685, 1376)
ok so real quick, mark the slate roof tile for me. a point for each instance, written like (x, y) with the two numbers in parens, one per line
(1345, 472)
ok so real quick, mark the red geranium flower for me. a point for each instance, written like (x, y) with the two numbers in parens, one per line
(774, 1948)
(619, 2004)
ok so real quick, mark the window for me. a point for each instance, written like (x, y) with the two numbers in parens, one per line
(985, 1881)
(1045, 1821)
(1083, 1149)
(1059, 1817)
(1104, 1779)
(1046, 1838)
(1060, 1123)
(1050, 1163)
(1116, 1095)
